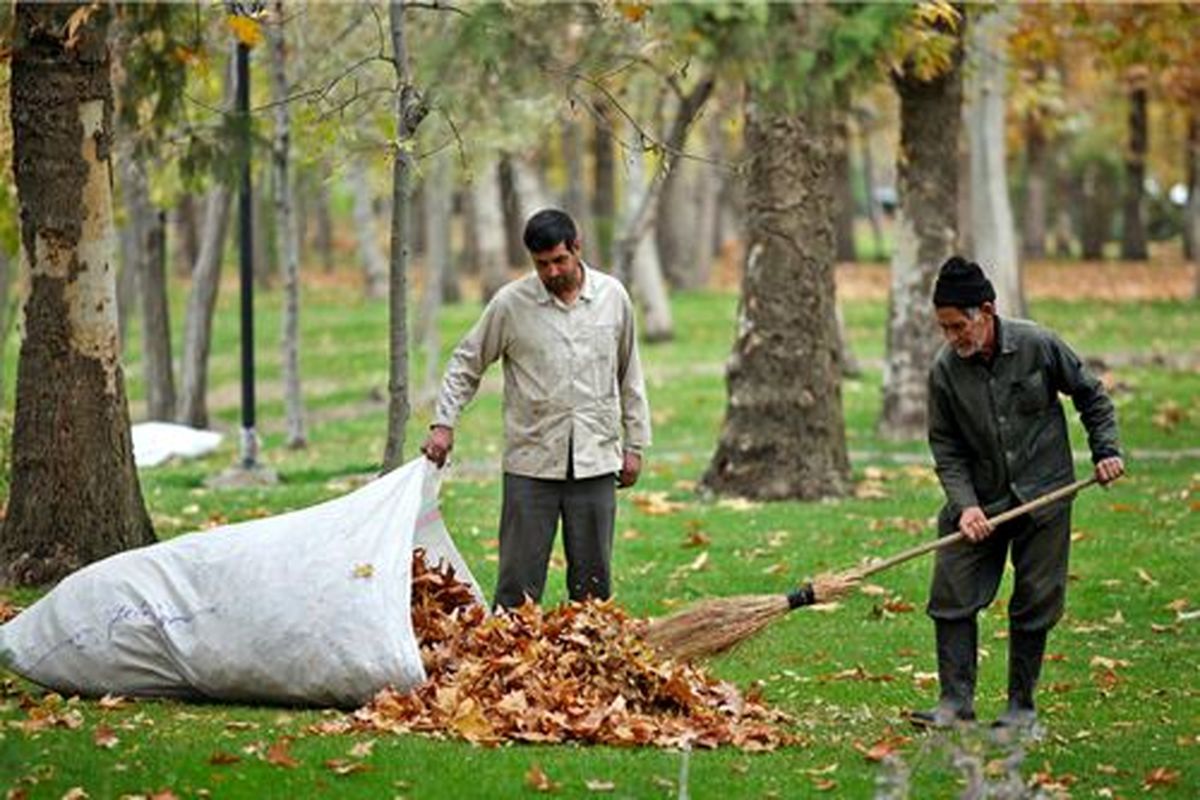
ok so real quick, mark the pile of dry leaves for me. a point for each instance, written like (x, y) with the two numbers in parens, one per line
(580, 672)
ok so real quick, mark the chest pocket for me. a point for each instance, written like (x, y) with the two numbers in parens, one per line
(1029, 393)
(602, 345)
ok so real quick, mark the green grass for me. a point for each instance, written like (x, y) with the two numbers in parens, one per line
(1136, 550)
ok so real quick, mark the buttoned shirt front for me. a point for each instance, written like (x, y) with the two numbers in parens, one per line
(997, 430)
(572, 377)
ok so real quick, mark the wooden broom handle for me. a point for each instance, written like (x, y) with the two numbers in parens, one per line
(999, 519)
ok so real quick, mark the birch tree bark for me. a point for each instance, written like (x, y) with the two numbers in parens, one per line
(490, 238)
(925, 236)
(286, 237)
(439, 198)
(783, 435)
(410, 110)
(992, 228)
(649, 287)
(374, 265)
(74, 496)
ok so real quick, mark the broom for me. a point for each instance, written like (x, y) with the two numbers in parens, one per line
(714, 626)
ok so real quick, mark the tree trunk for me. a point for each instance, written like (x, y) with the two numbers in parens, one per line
(649, 287)
(1191, 215)
(439, 198)
(74, 495)
(514, 219)
(127, 274)
(263, 238)
(925, 235)
(1133, 226)
(323, 240)
(7, 314)
(604, 201)
(410, 110)
(575, 202)
(490, 238)
(868, 168)
(992, 229)
(783, 435)
(1095, 212)
(202, 299)
(187, 238)
(708, 186)
(374, 265)
(156, 323)
(202, 303)
(843, 197)
(286, 237)
(1033, 233)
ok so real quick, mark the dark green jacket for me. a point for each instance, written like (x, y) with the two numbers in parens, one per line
(998, 432)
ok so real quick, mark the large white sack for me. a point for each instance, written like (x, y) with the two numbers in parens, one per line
(311, 607)
(155, 442)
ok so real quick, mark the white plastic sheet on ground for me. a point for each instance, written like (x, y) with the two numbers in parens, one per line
(310, 607)
(155, 442)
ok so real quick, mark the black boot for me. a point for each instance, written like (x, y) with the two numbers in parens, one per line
(956, 647)
(1025, 652)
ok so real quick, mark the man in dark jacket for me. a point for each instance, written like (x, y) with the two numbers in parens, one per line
(999, 439)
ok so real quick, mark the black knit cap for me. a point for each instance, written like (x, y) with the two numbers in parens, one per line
(962, 284)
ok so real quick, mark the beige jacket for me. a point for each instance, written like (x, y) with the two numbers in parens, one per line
(571, 375)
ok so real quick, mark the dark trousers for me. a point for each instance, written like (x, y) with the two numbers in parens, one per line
(967, 576)
(528, 520)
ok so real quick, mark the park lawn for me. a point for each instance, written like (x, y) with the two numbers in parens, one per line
(1119, 693)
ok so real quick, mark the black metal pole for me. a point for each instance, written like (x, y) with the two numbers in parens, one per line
(249, 444)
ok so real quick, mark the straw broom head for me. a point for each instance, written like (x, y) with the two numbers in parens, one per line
(714, 626)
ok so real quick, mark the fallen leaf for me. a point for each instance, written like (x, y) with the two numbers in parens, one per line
(824, 784)
(872, 590)
(699, 563)
(1160, 776)
(898, 606)
(737, 504)
(104, 737)
(656, 503)
(1104, 662)
(599, 786)
(697, 539)
(364, 571)
(629, 534)
(75, 793)
(343, 766)
(538, 780)
(112, 702)
(1116, 619)
(1106, 769)
(1145, 577)
(221, 758)
(777, 568)
(279, 754)
(363, 749)
(163, 794)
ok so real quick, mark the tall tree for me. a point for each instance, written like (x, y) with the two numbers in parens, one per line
(286, 234)
(75, 496)
(490, 240)
(410, 110)
(373, 262)
(1133, 218)
(929, 82)
(993, 232)
(202, 297)
(783, 435)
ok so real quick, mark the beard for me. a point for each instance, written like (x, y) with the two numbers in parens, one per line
(560, 284)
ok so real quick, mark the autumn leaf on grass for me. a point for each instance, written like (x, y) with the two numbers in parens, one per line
(824, 784)
(1051, 782)
(221, 758)
(74, 793)
(163, 794)
(538, 780)
(112, 702)
(279, 754)
(882, 748)
(656, 503)
(1160, 776)
(594, 785)
(697, 538)
(898, 606)
(363, 749)
(343, 766)
(1146, 578)
(104, 737)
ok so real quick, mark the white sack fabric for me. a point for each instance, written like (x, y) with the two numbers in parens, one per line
(155, 442)
(310, 607)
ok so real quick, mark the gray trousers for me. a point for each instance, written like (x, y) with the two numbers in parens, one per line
(967, 576)
(528, 520)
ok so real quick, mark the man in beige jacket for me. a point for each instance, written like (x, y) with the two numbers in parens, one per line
(575, 414)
